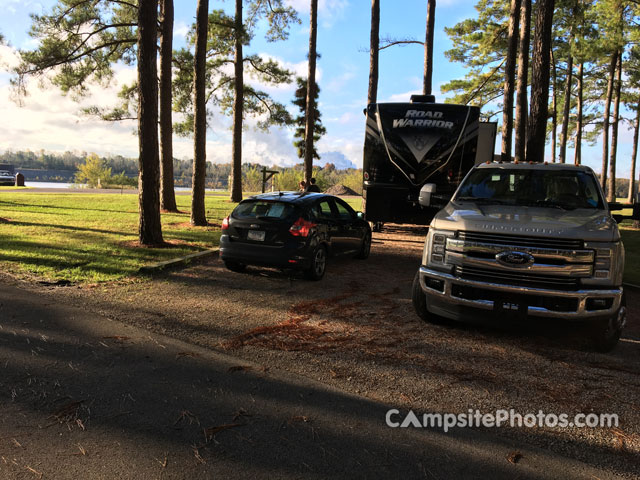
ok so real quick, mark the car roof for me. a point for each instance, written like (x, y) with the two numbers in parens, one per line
(535, 166)
(290, 197)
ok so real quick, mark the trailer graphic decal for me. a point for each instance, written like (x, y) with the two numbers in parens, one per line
(419, 142)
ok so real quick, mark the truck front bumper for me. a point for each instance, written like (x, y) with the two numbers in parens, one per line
(456, 298)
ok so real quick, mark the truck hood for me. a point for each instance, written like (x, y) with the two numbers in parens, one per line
(584, 224)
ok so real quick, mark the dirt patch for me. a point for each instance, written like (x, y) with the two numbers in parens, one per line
(341, 190)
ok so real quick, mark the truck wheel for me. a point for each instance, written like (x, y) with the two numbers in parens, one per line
(235, 266)
(419, 300)
(318, 264)
(606, 333)
(365, 248)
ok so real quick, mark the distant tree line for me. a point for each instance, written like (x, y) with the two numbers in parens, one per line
(64, 168)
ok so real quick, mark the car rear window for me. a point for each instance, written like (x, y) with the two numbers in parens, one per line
(263, 209)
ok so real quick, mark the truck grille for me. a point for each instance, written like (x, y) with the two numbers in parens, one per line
(518, 279)
(556, 263)
(521, 241)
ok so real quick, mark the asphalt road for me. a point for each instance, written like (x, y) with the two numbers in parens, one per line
(82, 396)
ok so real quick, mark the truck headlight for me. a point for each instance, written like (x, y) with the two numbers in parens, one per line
(608, 262)
(436, 247)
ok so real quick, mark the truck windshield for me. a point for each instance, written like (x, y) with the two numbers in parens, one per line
(566, 189)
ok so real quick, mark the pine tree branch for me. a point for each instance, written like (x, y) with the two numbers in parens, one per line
(78, 57)
(388, 42)
(486, 80)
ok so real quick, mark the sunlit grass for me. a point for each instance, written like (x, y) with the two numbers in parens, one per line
(93, 237)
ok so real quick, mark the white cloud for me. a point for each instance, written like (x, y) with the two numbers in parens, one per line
(299, 69)
(403, 97)
(339, 159)
(53, 122)
(340, 82)
(329, 11)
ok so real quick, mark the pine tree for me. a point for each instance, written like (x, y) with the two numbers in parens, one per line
(309, 149)
(150, 228)
(300, 100)
(198, 211)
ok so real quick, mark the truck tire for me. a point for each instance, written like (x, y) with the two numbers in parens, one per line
(606, 333)
(419, 300)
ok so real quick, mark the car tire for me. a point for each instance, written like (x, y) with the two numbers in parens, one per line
(606, 333)
(235, 266)
(376, 226)
(318, 263)
(365, 248)
(419, 300)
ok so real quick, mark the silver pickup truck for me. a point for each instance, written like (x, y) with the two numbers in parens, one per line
(524, 240)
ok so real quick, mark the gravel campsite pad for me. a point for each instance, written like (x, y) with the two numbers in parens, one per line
(356, 329)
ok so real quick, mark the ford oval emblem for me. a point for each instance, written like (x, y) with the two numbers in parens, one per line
(515, 259)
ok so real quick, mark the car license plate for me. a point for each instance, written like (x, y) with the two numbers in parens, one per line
(256, 235)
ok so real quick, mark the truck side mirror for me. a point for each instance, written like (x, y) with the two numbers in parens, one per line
(425, 194)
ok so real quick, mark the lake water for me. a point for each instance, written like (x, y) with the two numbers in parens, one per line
(47, 184)
(70, 185)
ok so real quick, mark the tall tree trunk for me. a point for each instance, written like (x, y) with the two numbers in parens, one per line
(311, 82)
(611, 182)
(554, 107)
(577, 159)
(566, 110)
(509, 80)
(605, 120)
(540, 82)
(634, 154)
(238, 106)
(198, 211)
(150, 227)
(522, 80)
(167, 192)
(428, 47)
(374, 46)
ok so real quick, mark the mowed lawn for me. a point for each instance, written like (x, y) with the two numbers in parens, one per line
(90, 238)
(93, 237)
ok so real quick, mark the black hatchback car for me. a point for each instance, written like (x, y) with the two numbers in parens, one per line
(292, 230)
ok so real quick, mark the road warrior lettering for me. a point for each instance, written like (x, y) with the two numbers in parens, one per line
(425, 123)
(422, 114)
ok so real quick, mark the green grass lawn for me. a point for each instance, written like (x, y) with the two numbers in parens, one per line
(92, 237)
(631, 240)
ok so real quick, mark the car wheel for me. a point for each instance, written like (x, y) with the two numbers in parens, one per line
(235, 266)
(419, 300)
(375, 226)
(318, 264)
(365, 249)
(606, 333)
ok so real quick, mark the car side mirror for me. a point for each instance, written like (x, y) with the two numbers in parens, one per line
(618, 218)
(360, 215)
(615, 206)
(425, 194)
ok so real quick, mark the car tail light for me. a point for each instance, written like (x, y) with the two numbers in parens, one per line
(301, 228)
(225, 223)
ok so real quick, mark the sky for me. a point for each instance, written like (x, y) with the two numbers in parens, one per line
(50, 121)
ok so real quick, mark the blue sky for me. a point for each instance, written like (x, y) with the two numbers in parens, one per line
(49, 121)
